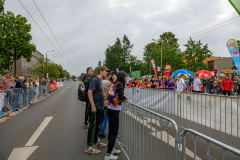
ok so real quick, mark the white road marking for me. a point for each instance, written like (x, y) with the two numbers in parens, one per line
(164, 133)
(38, 131)
(22, 153)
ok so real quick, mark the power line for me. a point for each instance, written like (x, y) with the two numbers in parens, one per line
(209, 28)
(49, 28)
(40, 27)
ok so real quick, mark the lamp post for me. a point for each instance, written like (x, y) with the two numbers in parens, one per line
(46, 61)
(43, 71)
(161, 52)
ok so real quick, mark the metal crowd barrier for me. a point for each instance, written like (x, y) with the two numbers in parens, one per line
(211, 153)
(216, 116)
(16, 98)
(144, 134)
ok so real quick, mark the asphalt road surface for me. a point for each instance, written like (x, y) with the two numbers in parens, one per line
(52, 129)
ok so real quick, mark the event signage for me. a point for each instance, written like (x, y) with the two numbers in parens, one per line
(154, 66)
(136, 74)
(236, 5)
(158, 69)
(233, 49)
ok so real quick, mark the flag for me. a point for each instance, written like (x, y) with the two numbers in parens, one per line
(117, 70)
(233, 49)
(154, 66)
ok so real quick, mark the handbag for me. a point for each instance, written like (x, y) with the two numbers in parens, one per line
(116, 100)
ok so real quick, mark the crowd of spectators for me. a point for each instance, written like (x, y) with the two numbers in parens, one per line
(22, 90)
(208, 84)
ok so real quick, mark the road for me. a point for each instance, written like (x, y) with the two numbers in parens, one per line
(52, 129)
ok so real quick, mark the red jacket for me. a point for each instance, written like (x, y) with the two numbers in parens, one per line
(227, 84)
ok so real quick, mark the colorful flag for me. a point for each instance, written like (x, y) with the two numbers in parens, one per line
(154, 66)
(117, 70)
(233, 49)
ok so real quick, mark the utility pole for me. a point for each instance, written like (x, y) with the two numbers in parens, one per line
(46, 61)
(150, 65)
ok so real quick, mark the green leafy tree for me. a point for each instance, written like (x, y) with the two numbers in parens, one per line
(99, 63)
(95, 71)
(2, 6)
(171, 53)
(73, 77)
(16, 39)
(195, 54)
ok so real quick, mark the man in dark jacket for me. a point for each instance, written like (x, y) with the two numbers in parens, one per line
(85, 78)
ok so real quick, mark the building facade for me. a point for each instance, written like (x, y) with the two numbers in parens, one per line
(22, 64)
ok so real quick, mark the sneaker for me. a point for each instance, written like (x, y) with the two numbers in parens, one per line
(91, 150)
(85, 126)
(99, 145)
(110, 157)
(115, 152)
(102, 136)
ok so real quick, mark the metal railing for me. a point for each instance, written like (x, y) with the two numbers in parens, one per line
(14, 99)
(144, 134)
(210, 152)
(216, 116)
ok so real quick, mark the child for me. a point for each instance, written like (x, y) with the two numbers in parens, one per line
(1, 98)
(171, 84)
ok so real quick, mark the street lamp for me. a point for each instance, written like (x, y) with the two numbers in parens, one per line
(46, 61)
(161, 52)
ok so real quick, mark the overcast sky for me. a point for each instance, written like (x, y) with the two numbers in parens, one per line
(85, 28)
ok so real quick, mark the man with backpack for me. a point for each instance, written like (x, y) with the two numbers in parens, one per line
(85, 80)
(96, 96)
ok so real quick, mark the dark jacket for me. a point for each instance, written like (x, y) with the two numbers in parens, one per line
(19, 84)
(120, 86)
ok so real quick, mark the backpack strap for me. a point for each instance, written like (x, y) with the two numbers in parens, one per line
(116, 88)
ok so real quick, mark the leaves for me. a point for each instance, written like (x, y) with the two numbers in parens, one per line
(195, 54)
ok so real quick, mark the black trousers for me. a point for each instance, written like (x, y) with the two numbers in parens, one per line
(93, 130)
(113, 118)
(86, 113)
(228, 92)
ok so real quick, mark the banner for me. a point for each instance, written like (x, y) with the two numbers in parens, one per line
(136, 74)
(233, 48)
(117, 70)
(236, 5)
(154, 66)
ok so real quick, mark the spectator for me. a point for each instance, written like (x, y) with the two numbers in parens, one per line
(96, 98)
(197, 84)
(6, 82)
(113, 116)
(85, 78)
(153, 82)
(104, 118)
(1, 98)
(215, 71)
(134, 83)
(180, 82)
(227, 85)
(166, 82)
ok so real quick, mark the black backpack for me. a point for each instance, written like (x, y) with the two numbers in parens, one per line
(83, 90)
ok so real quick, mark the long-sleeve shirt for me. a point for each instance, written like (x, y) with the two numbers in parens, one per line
(180, 85)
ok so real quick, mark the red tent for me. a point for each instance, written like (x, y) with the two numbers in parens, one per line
(204, 73)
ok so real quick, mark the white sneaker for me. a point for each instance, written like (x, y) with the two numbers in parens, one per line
(115, 152)
(110, 157)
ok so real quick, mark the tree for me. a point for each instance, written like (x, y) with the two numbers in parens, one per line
(1, 6)
(95, 71)
(73, 77)
(171, 53)
(16, 39)
(195, 54)
(119, 55)
(99, 63)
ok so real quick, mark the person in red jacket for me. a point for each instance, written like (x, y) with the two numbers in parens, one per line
(227, 85)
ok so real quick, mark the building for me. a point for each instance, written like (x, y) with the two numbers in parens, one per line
(223, 64)
(22, 64)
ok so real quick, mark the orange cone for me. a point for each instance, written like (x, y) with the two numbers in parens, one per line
(7, 113)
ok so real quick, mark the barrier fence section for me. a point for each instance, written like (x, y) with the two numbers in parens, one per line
(144, 134)
(222, 154)
(216, 116)
(14, 99)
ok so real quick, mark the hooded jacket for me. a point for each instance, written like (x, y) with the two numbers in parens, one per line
(85, 77)
(227, 84)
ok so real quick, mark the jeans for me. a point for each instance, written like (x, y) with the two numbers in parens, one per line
(103, 122)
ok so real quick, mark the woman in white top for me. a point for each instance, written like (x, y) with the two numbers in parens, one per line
(180, 82)
(196, 84)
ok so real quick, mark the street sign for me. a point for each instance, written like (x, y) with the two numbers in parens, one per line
(158, 69)
(136, 74)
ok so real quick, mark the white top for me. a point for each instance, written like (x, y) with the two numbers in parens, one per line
(180, 84)
(196, 83)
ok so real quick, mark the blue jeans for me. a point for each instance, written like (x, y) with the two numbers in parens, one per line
(103, 122)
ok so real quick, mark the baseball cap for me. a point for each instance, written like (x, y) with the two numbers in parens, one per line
(101, 68)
